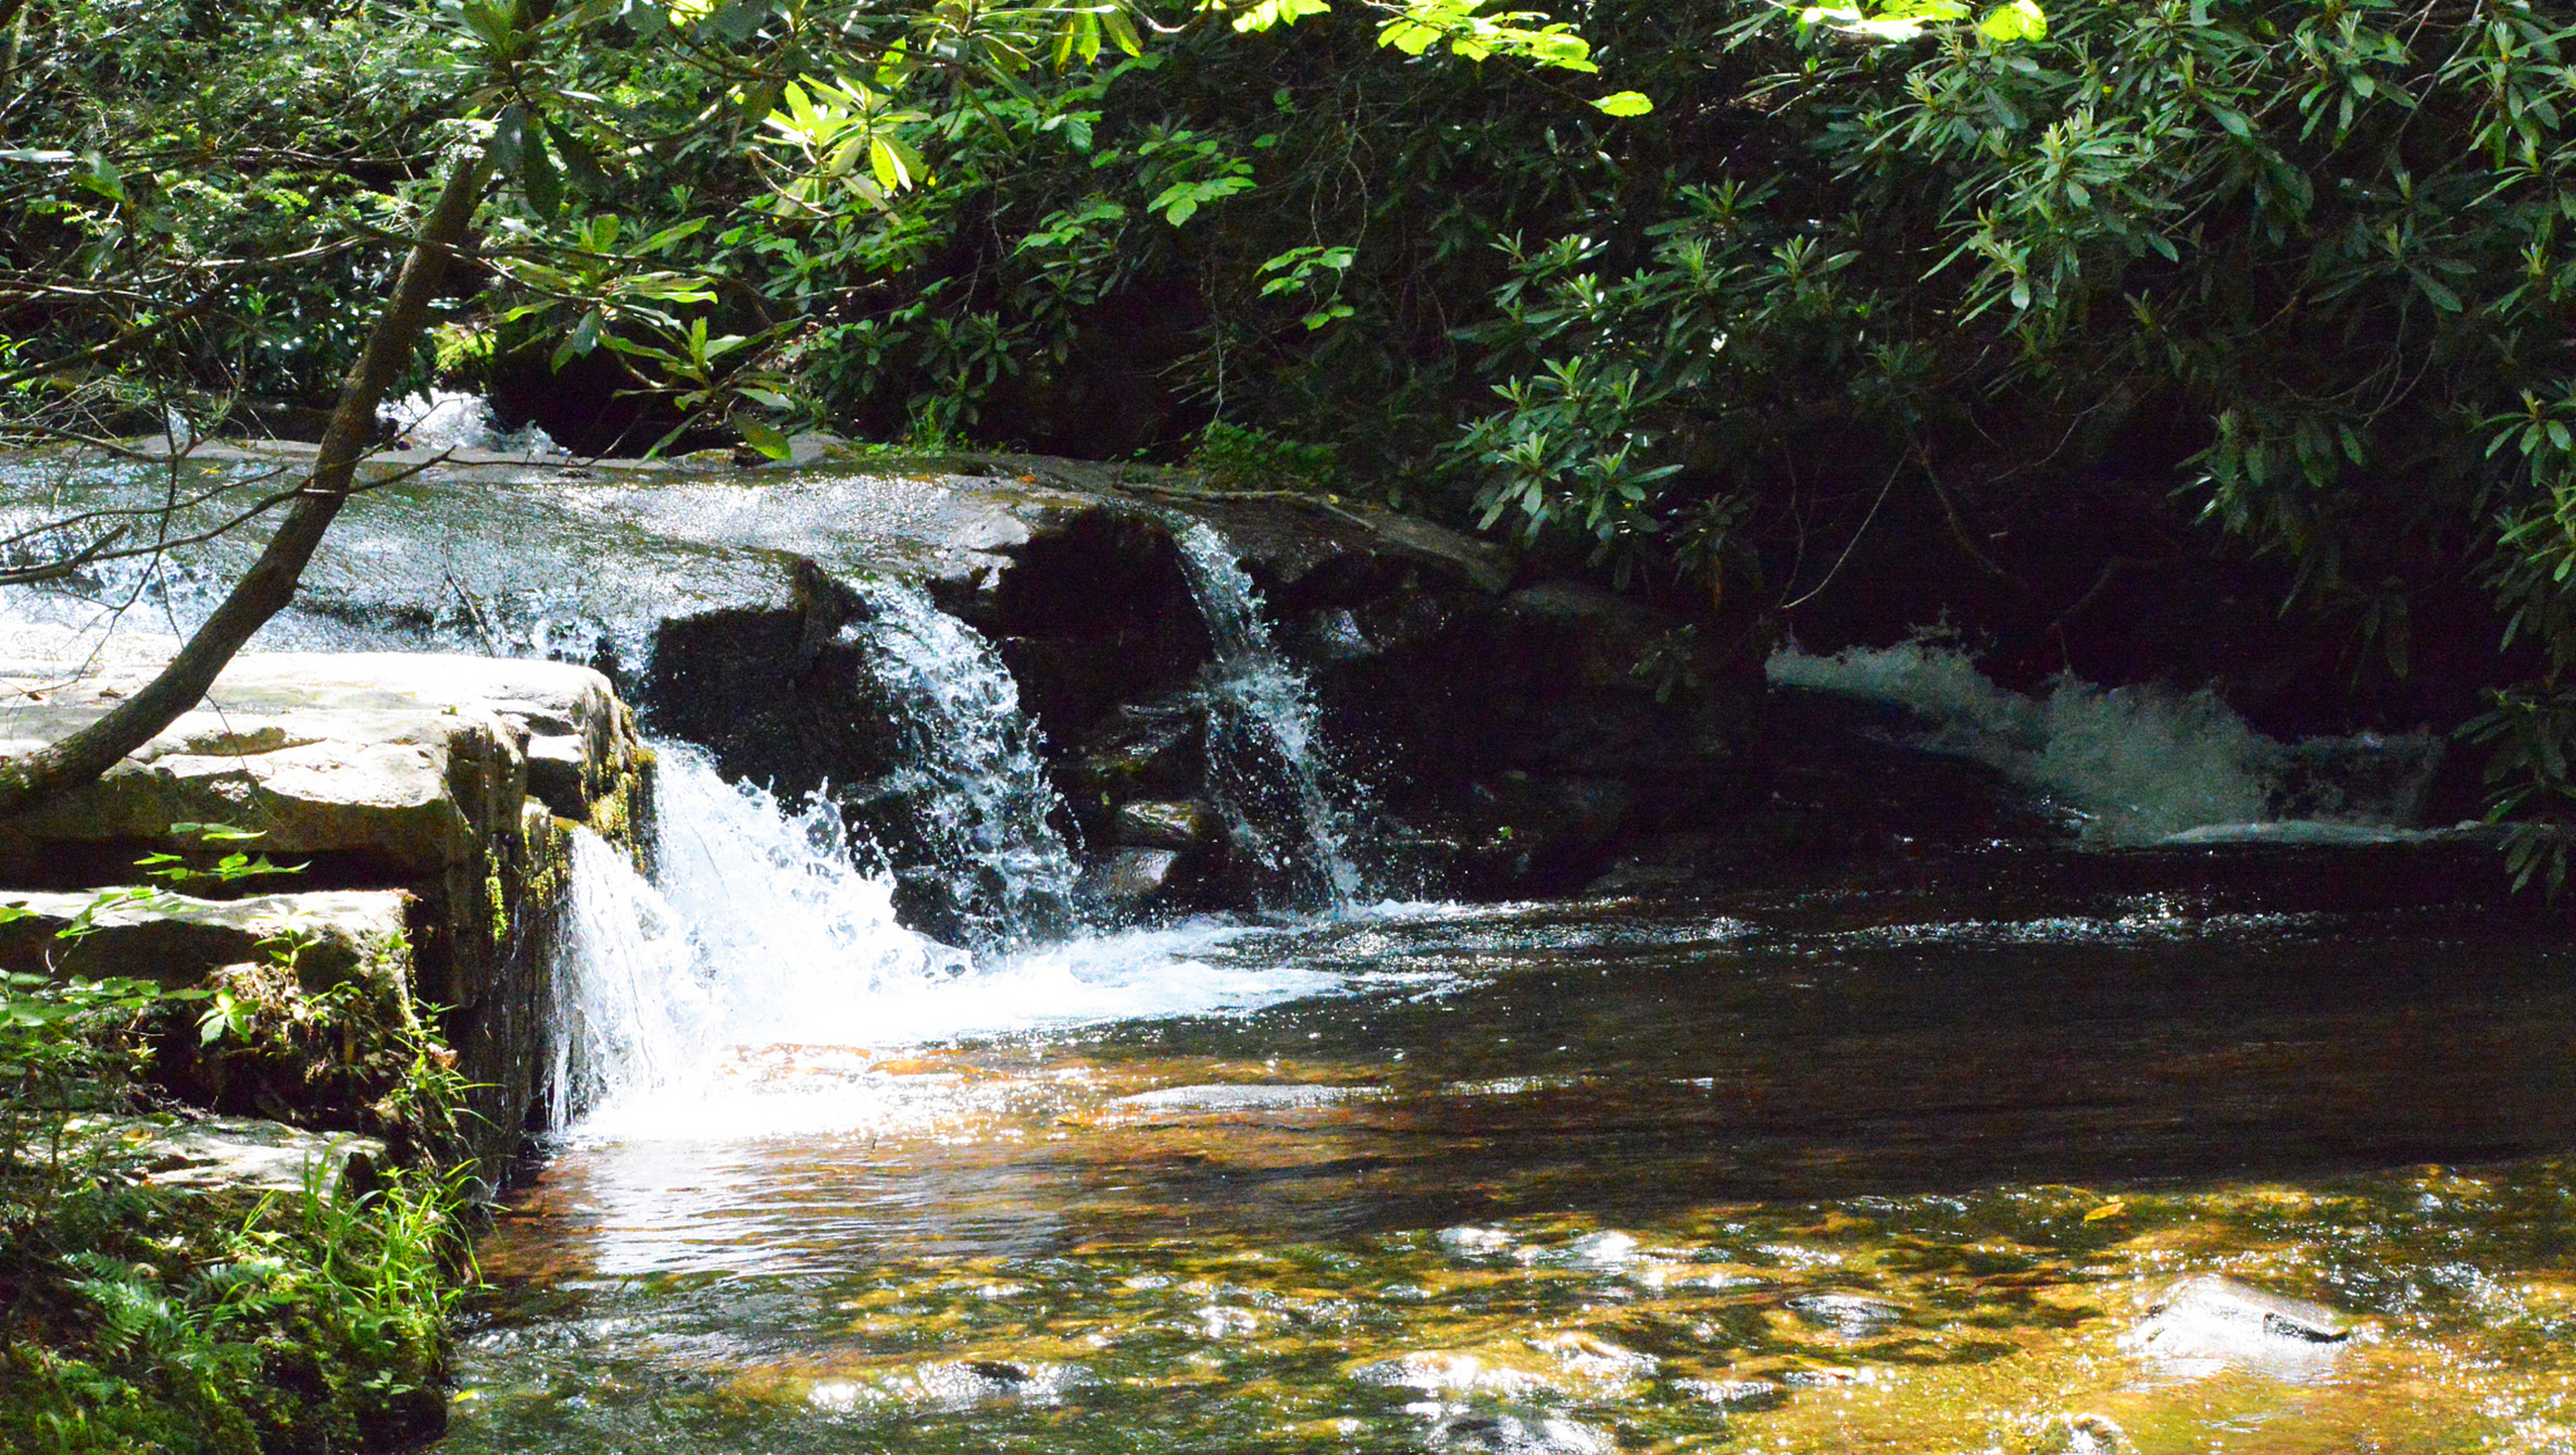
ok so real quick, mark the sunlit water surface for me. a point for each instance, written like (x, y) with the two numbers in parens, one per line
(1834, 1173)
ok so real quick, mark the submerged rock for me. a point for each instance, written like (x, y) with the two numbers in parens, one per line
(2077, 1434)
(1516, 1432)
(2212, 1320)
(1133, 875)
(1151, 824)
(1849, 1315)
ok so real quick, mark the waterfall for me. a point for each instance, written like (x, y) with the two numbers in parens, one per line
(1267, 761)
(447, 419)
(631, 1002)
(761, 931)
(2139, 765)
(968, 813)
(761, 928)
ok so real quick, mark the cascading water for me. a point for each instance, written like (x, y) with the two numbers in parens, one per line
(968, 812)
(631, 997)
(1267, 763)
(760, 928)
(448, 419)
(761, 931)
(2138, 765)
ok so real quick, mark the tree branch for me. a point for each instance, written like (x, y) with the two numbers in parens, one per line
(270, 583)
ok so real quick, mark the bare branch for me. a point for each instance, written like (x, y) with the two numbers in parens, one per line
(117, 345)
(270, 583)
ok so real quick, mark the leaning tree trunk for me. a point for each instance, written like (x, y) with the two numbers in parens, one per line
(269, 584)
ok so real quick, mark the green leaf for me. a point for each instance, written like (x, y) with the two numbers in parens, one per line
(740, 20)
(537, 174)
(1269, 13)
(764, 439)
(1409, 36)
(493, 24)
(2443, 298)
(581, 163)
(216, 833)
(1623, 103)
(2021, 20)
(509, 134)
(1122, 30)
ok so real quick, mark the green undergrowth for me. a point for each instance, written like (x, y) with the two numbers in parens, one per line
(146, 1321)
(136, 1317)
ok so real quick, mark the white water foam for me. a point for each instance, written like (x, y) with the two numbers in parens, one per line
(2139, 765)
(1267, 758)
(632, 1008)
(448, 419)
(763, 934)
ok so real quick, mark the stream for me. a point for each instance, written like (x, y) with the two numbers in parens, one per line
(1822, 1171)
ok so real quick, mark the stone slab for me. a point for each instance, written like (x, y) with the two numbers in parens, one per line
(174, 940)
(408, 762)
(242, 1156)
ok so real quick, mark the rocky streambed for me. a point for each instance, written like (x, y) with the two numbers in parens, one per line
(1862, 1170)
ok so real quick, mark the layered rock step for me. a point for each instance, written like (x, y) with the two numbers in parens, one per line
(422, 803)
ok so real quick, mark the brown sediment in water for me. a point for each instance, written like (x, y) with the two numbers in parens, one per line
(1859, 1186)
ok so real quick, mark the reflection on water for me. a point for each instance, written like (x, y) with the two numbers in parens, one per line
(1831, 1174)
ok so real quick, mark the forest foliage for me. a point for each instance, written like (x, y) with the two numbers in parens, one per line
(1736, 301)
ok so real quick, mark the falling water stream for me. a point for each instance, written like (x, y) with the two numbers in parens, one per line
(1268, 764)
(969, 788)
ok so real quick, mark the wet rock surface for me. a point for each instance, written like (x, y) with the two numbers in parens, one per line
(1520, 734)
(1148, 823)
(2213, 1321)
(1512, 735)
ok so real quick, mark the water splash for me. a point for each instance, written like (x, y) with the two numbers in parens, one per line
(631, 1001)
(761, 931)
(448, 419)
(2139, 765)
(971, 807)
(1268, 766)
(757, 910)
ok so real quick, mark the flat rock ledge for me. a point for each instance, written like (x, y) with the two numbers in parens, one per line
(239, 1157)
(429, 799)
